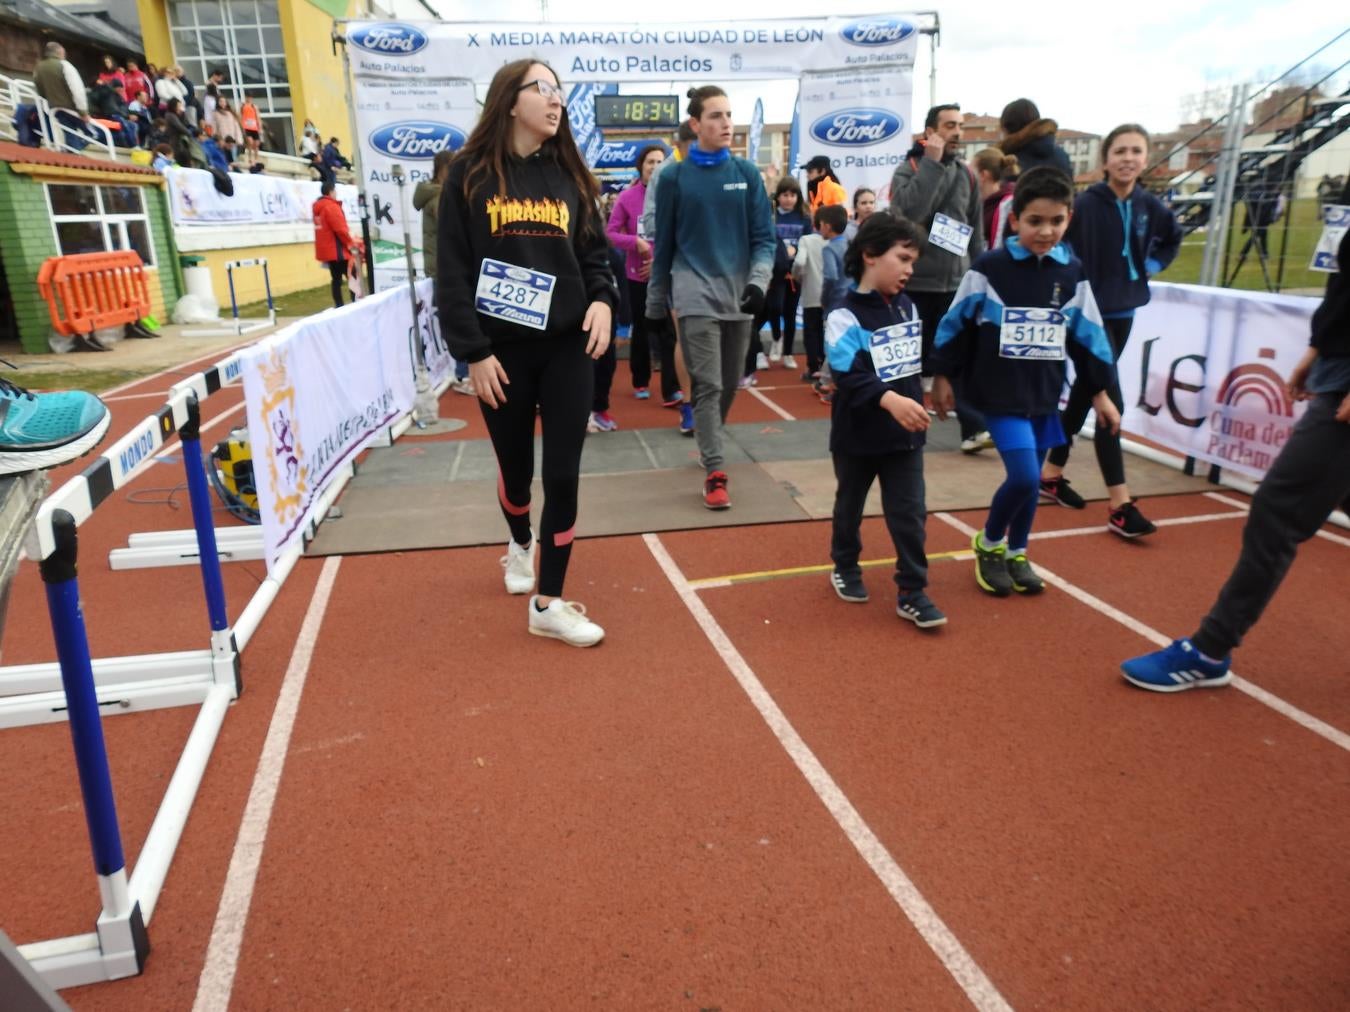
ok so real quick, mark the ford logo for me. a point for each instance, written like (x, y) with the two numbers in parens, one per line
(416, 139)
(390, 39)
(876, 32)
(856, 127)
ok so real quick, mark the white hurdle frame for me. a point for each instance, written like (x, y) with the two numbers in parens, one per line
(239, 327)
(208, 678)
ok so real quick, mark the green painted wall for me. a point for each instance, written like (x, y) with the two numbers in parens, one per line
(26, 240)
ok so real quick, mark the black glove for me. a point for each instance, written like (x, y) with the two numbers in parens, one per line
(752, 300)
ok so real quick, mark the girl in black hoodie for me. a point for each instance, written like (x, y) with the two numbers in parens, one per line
(1123, 234)
(525, 295)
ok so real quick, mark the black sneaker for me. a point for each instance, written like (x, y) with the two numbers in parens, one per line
(991, 568)
(1058, 490)
(1128, 522)
(848, 584)
(1024, 578)
(916, 607)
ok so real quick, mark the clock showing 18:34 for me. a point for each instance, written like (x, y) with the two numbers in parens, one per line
(647, 111)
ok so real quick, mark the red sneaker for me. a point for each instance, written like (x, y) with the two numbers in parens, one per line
(715, 492)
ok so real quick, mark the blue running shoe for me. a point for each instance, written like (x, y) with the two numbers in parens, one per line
(38, 431)
(686, 420)
(1175, 668)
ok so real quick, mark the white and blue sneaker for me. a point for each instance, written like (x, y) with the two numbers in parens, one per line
(38, 431)
(1177, 667)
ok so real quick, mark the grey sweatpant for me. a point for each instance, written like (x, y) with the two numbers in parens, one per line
(1309, 479)
(714, 353)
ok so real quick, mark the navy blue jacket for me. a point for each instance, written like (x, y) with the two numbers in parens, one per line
(1119, 271)
(967, 344)
(859, 425)
(790, 227)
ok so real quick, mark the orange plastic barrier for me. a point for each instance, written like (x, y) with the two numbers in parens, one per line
(89, 291)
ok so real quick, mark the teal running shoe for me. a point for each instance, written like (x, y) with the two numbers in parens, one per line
(38, 431)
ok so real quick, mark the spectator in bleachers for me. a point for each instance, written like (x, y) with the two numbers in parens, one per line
(113, 76)
(225, 123)
(168, 88)
(136, 81)
(318, 165)
(163, 158)
(332, 157)
(210, 98)
(215, 157)
(159, 134)
(107, 106)
(192, 104)
(138, 111)
(180, 133)
(251, 122)
(58, 83)
(309, 140)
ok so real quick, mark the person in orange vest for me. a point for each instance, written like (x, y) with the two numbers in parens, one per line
(331, 238)
(251, 123)
(822, 185)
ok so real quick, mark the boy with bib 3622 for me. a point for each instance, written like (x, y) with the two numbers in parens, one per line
(1021, 313)
(873, 343)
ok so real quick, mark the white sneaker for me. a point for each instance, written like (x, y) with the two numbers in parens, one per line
(464, 386)
(518, 566)
(776, 350)
(976, 443)
(790, 362)
(761, 361)
(566, 621)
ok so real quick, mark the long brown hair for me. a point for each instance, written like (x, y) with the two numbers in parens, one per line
(488, 148)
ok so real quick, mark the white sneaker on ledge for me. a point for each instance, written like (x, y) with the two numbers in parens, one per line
(518, 566)
(566, 621)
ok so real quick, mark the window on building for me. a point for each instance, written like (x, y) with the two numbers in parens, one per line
(243, 39)
(98, 219)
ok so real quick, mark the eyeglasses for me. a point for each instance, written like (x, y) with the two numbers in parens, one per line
(545, 89)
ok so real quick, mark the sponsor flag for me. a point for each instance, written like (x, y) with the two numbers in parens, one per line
(860, 120)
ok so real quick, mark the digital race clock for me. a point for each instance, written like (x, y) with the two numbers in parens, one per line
(659, 112)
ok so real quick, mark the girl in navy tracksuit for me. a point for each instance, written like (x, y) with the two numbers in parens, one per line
(1020, 314)
(874, 343)
(1123, 234)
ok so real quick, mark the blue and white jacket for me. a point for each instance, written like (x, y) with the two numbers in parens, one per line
(858, 424)
(969, 342)
(1122, 243)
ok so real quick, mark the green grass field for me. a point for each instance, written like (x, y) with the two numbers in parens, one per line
(1305, 227)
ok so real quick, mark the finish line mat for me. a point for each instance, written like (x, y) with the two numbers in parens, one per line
(443, 494)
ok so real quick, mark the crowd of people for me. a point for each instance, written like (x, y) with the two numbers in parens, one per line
(159, 111)
(971, 292)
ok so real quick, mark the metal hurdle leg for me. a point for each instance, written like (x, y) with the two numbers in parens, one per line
(225, 657)
(119, 945)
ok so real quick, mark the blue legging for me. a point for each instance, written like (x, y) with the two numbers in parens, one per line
(1014, 505)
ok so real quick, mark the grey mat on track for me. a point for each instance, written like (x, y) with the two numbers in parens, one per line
(443, 494)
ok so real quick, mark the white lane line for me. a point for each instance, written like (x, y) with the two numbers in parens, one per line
(163, 395)
(1070, 532)
(1246, 507)
(646, 448)
(459, 456)
(1280, 706)
(771, 405)
(227, 934)
(972, 980)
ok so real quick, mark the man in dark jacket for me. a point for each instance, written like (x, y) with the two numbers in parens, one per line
(1031, 138)
(934, 188)
(1309, 479)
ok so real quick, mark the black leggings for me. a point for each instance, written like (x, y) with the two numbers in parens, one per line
(649, 335)
(780, 302)
(555, 374)
(338, 269)
(1109, 456)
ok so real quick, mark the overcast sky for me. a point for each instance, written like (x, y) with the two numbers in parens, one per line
(1085, 71)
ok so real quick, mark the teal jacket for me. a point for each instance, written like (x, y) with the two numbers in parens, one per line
(714, 236)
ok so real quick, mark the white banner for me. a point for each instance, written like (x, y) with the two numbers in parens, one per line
(316, 394)
(258, 199)
(403, 122)
(1204, 370)
(861, 122)
(635, 50)
(1335, 222)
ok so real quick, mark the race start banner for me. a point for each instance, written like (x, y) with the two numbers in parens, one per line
(405, 122)
(657, 52)
(1204, 371)
(861, 122)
